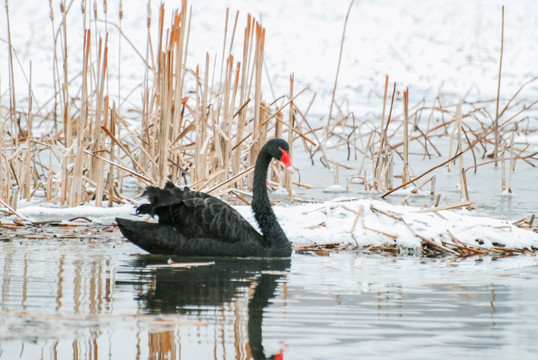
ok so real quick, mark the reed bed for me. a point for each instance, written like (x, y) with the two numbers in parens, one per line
(207, 137)
(469, 128)
(84, 145)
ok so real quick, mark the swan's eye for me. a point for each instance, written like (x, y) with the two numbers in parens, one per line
(286, 160)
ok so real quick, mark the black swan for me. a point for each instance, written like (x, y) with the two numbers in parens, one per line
(193, 223)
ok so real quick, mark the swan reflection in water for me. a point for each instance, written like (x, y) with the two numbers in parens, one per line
(212, 293)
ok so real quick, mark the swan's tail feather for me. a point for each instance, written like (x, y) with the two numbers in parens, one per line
(167, 196)
(152, 237)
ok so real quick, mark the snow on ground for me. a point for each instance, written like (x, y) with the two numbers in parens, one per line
(330, 222)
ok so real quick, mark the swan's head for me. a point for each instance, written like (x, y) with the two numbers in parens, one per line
(280, 150)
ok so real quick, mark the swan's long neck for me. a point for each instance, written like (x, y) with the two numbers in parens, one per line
(261, 206)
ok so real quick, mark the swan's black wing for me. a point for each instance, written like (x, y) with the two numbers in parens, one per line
(198, 215)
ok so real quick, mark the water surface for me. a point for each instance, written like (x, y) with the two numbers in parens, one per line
(103, 299)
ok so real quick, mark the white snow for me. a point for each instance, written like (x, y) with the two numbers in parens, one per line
(330, 222)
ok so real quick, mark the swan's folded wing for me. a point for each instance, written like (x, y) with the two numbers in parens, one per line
(212, 218)
(170, 195)
(196, 214)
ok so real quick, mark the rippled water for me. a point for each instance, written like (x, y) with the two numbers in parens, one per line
(104, 299)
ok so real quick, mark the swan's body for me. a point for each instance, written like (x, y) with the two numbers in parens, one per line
(193, 223)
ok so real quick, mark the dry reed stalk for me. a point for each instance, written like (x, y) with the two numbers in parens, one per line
(503, 168)
(392, 236)
(463, 178)
(110, 121)
(388, 170)
(336, 175)
(382, 134)
(357, 215)
(124, 168)
(3, 177)
(338, 68)
(258, 71)
(439, 247)
(512, 163)
(379, 211)
(26, 185)
(244, 90)
(120, 19)
(8, 175)
(75, 183)
(13, 210)
(405, 176)
(291, 126)
(339, 164)
(96, 172)
(447, 207)
(279, 122)
(301, 134)
(180, 31)
(224, 131)
(65, 85)
(421, 185)
(496, 123)
(201, 125)
(147, 99)
(125, 150)
(232, 180)
(12, 93)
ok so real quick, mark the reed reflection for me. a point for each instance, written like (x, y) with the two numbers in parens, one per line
(230, 290)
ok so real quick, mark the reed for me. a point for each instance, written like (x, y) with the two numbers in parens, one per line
(208, 136)
(405, 176)
(496, 123)
(207, 140)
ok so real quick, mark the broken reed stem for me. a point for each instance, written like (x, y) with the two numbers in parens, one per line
(357, 215)
(392, 236)
(423, 174)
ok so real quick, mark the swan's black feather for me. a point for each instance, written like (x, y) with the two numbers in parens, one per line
(196, 223)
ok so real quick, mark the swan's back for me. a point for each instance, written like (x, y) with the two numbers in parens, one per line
(195, 214)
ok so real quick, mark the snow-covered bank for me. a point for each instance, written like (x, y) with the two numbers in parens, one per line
(331, 222)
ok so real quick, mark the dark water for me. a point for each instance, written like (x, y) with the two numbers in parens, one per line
(102, 299)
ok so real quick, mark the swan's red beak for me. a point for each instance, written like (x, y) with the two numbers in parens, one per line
(286, 160)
